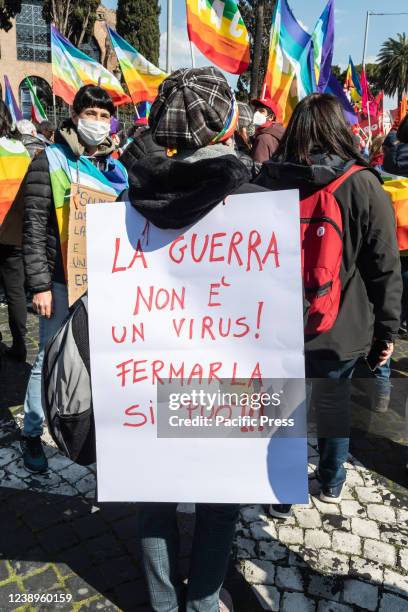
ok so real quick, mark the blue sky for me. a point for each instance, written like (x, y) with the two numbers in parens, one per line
(349, 33)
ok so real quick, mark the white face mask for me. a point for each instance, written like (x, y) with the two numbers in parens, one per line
(92, 132)
(259, 118)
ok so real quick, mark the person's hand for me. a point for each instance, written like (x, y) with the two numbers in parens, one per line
(386, 354)
(42, 304)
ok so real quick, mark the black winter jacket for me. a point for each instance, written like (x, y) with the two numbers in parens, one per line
(41, 244)
(173, 194)
(371, 298)
(396, 156)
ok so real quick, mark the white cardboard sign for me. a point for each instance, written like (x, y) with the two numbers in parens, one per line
(172, 303)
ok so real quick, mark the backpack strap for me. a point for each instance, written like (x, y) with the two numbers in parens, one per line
(334, 185)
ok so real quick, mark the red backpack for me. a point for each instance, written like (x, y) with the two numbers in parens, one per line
(321, 229)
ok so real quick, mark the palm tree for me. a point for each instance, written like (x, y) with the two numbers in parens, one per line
(393, 66)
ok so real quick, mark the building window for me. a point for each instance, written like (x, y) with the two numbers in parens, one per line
(91, 48)
(32, 33)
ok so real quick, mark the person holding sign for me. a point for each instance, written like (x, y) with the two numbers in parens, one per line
(316, 152)
(194, 117)
(75, 171)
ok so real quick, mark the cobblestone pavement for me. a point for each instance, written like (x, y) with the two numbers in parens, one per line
(55, 539)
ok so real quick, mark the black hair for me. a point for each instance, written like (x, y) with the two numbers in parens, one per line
(257, 105)
(93, 96)
(6, 122)
(317, 124)
(46, 126)
(402, 134)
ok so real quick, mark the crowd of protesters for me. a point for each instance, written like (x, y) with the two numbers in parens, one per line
(197, 130)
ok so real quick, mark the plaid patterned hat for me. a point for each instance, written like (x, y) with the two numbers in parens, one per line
(195, 107)
(246, 115)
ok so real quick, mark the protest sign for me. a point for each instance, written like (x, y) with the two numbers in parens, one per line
(220, 303)
(76, 251)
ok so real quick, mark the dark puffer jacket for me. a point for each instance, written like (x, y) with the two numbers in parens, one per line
(41, 243)
(371, 297)
(396, 155)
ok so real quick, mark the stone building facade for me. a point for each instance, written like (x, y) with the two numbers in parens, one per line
(25, 50)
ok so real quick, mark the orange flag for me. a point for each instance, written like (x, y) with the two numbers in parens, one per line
(403, 107)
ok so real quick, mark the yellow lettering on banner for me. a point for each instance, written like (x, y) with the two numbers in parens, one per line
(76, 250)
(217, 11)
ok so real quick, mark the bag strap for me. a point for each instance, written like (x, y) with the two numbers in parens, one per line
(334, 185)
(84, 300)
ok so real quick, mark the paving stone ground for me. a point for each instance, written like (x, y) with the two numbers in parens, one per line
(56, 540)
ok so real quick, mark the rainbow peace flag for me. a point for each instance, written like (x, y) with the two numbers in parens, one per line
(38, 113)
(299, 62)
(352, 83)
(323, 47)
(71, 69)
(142, 77)
(14, 161)
(11, 103)
(218, 30)
(334, 88)
(63, 167)
(143, 113)
(289, 76)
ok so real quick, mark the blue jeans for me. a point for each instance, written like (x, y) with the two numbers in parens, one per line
(381, 376)
(159, 539)
(33, 410)
(331, 397)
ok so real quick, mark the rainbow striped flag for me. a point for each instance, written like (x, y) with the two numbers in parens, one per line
(38, 113)
(218, 30)
(299, 63)
(14, 161)
(71, 69)
(323, 47)
(290, 73)
(334, 88)
(63, 167)
(352, 83)
(142, 77)
(10, 102)
(143, 113)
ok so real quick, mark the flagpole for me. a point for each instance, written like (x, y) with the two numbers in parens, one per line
(193, 64)
(366, 37)
(54, 102)
(364, 68)
(169, 34)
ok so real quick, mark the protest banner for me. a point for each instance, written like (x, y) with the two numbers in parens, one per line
(76, 251)
(218, 303)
